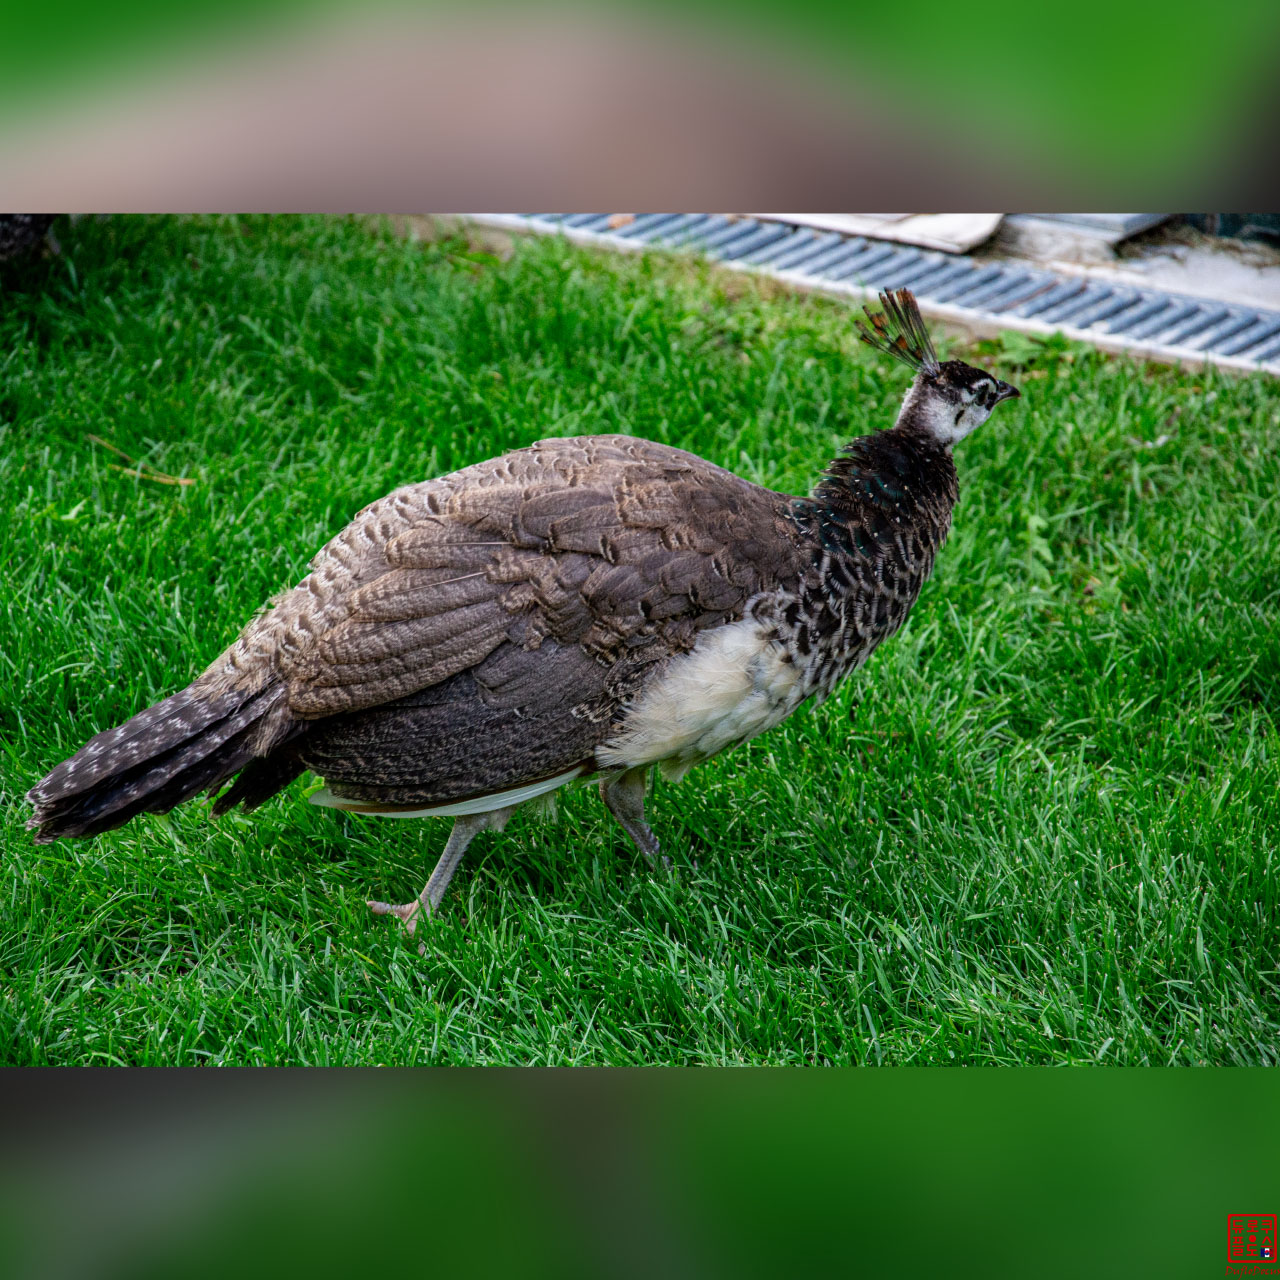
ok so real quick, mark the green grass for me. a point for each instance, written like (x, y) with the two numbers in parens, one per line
(1039, 827)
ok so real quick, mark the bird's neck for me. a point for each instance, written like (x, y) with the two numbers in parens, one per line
(874, 524)
(892, 478)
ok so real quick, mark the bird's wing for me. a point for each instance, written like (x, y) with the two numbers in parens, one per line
(560, 570)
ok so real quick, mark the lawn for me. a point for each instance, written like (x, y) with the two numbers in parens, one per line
(1040, 826)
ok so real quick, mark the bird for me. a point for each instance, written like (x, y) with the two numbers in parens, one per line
(585, 607)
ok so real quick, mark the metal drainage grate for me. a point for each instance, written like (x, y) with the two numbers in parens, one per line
(985, 297)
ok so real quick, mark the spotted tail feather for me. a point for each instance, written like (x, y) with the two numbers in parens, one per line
(166, 754)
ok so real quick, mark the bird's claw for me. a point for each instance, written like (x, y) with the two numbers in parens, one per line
(407, 912)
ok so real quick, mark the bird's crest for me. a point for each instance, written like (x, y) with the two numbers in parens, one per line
(899, 331)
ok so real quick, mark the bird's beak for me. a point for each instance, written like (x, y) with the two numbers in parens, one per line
(1006, 391)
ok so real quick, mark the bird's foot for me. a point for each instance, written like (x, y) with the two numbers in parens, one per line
(465, 829)
(663, 863)
(409, 913)
(656, 860)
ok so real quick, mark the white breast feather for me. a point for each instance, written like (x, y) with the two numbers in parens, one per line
(734, 684)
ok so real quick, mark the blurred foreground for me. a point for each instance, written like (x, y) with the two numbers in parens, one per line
(1104, 1173)
(432, 107)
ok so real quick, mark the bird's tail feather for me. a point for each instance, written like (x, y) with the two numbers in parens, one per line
(259, 782)
(166, 754)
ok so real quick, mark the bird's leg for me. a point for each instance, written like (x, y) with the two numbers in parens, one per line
(465, 829)
(624, 798)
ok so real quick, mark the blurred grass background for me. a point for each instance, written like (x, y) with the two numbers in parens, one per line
(1039, 826)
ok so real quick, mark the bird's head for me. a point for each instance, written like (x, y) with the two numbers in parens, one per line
(946, 400)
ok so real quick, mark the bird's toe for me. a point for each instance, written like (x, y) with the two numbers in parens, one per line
(407, 912)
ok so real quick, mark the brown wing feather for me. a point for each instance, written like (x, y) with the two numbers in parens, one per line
(596, 541)
(552, 578)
